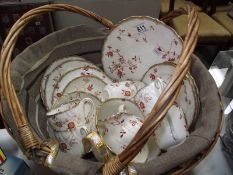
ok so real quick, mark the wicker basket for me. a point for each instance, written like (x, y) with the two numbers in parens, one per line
(43, 151)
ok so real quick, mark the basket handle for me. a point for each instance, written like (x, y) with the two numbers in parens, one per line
(29, 139)
(31, 142)
(167, 97)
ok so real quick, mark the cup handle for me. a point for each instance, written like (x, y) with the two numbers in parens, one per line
(95, 142)
(121, 108)
(159, 84)
(106, 94)
(84, 102)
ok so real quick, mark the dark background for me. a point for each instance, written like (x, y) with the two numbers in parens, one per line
(10, 12)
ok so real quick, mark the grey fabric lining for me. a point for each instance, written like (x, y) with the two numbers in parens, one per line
(199, 140)
(32, 54)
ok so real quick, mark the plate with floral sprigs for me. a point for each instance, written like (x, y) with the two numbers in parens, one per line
(69, 76)
(135, 44)
(188, 96)
(57, 73)
(56, 65)
(86, 83)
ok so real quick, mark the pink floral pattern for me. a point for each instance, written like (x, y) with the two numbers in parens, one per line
(142, 100)
(118, 67)
(133, 122)
(90, 87)
(153, 75)
(63, 147)
(137, 37)
(147, 44)
(122, 133)
(169, 54)
(126, 93)
(67, 145)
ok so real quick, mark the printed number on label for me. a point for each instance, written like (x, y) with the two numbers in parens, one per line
(141, 28)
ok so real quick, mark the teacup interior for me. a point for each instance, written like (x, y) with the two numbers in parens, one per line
(111, 107)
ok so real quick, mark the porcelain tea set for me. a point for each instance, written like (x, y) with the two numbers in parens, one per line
(90, 109)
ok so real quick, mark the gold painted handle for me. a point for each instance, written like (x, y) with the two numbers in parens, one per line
(95, 142)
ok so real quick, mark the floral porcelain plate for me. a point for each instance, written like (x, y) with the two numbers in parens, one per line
(69, 76)
(86, 83)
(50, 69)
(77, 95)
(188, 96)
(137, 43)
(57, 73)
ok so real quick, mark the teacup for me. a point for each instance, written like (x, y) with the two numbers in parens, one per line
(173, 129)
(178, 124)
(71, 141)
(163, 135)
(111, 107)
(123, 89)
(148, 96)
(119, 130)
(119, 126)
(73, 114)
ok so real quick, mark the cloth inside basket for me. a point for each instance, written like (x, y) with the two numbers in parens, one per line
(27, 70)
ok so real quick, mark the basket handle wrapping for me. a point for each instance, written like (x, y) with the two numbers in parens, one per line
(32, 142)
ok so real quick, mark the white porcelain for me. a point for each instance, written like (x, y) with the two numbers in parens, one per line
(118, 130)
(52, 67)
(111, 107)
(187, 98)
(137, 43)
(68, 77)
(55, 76)
(178, 124)
(173, 129)
(74, 96)
(163, 135)
(148, 96)
(123, 89)
(70, 142)
(73, 114)
(86, 83)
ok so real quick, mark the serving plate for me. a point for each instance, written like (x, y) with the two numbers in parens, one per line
(54, 65)
(187, 99)
(71, 75)
(135, 44)
(86, 83)
(56, 75)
